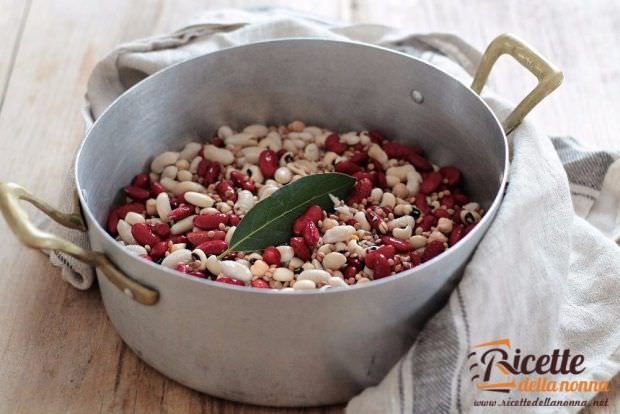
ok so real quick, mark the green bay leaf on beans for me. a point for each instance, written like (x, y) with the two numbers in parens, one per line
(270, 221)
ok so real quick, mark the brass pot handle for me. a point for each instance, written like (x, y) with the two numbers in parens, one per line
(549, 77)
(31, 236)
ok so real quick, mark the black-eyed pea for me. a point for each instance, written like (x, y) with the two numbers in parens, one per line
(201, 257)
(213, 265)
(469, 217)
(402, 233)
(472, 206)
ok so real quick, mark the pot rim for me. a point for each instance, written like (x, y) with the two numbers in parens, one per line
(487, 218)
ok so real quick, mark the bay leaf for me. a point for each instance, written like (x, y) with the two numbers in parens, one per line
(270, 221)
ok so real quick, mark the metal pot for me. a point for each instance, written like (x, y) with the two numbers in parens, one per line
(255, 345)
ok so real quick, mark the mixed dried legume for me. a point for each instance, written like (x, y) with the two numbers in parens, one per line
(402, 211)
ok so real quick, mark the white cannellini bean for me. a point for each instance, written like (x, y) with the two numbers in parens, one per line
(334, 260)
(163, 160)
(182, 165)
(198, 199)
(338, 234)
(193, 167)
(400, 172)
(376, 152)
(282, 274)
(304, 284)
(337, 282)
(311, 152)
(401, 222)
(213, 265)
(136, 249)
(177, 256)
(224, 131)
(266, 191)
(229, 234)
(315, 275)
(256, 130)
(132, 218)
(124, 231)
(418, 241)
(170, 172)
(190, 151)
(360, 217)
(283, 175)
(251, 154)
(235, 270)
(242, 140)
(402, 234)
(403, 209)
(169, 184)
(185, 186)
(221, 155)
(245, 201)
(413, 182)
(184, 175)
(350, 138)
(163, 205)
(286, 253)
(437, 235)
(183, 226)
(313, 130)
(388, 200)
(444, 225)
(392, 180)
(375, 195)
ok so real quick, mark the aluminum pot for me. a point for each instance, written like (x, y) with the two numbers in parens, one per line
(256, 345)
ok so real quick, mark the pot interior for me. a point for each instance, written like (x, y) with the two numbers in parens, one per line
(339, 85)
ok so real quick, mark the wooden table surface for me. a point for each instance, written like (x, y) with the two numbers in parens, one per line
(58, 351)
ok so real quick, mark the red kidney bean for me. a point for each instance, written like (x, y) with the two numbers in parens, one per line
(332, 143)
(181, 212)
(234, 219)
(382, 267)
(381, 179)
(374, 219)
(146, 257)
(209, 171)
(396, 150)
(201, 236)
(159, 249)
(157, 188)
(271, 255)
(361, 190)
(349, 272)
(300, 248)
(181, 267)
(451, 174)
(217, 141)
(427, 222)
(421, 204)
(355, 262)
(210, 221)
(430, 183)
(315, 213)
(230, 280)
(197, 273)
(386, 250)
(241, 180)
(359, 157)
(213, 246)
(268, 163)
(459, 197)
(468, 228)
(178, 238)
(141, 180)
(311, 234)
(447, 201)
(401, 246)
(144, 235)
(226, 191)
(137, 193)
(440, 212)
(455, 235)
(112, 223)
(415, 258)
(347, 167)
(419, 162)
(161, 229)
(136, 207)
(376, 137)
(371, 175)
(432, 249)
(260, 283)
(300, 224)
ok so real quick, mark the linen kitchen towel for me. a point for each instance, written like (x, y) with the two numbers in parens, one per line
(546, 275)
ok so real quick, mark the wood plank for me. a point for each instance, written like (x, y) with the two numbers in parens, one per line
(13, 15)
(581, 39)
